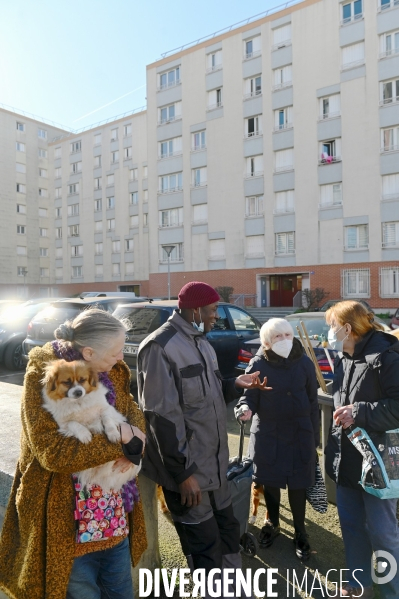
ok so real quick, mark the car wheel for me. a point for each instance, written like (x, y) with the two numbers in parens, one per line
(13, 356)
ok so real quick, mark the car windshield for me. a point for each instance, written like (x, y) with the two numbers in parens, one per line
(142, 321)
(57, 313)
(314, 326)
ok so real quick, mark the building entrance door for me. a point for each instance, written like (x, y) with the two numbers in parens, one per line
(263, 292)
(283, 288)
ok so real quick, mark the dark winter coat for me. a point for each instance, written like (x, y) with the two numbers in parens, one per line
(370, 381)
(285, 428)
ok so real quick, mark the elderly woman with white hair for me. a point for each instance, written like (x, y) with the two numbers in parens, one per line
(285, 427)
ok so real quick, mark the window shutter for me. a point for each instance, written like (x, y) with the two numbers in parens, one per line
(290, 243)
(282, 34)
(280, 201)
(216, 248)
(335, 103)
(363, 236)
(390, 233)
(200, 212)
(255, 245)
(337, 194)
(280, 243)
(351, 237)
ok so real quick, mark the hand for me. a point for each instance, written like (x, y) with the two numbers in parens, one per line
(190, 492)
(122, 465)
(343, 416)
(252, 381)
(246, 415)
(128, 432)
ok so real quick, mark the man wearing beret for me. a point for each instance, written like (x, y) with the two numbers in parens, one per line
(183, 397)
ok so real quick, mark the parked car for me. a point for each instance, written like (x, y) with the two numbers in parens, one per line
(395, 320)
(233, 327)
(7, 304)
(41, 328)
(331, 302)
(129, 295)
(13, 325)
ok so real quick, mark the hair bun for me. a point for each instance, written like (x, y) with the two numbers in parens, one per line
(64, 332)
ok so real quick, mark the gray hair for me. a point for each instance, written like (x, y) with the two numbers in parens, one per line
(273, 326)
(92, 327)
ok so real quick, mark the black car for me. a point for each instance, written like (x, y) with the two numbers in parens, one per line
(330, 303)
(233, 327)
(13, 325)
(42, 326)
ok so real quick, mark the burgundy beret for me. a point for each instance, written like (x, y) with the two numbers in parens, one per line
(197, 295)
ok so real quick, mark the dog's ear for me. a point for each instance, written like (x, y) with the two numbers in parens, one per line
(50, 377)
(93, 378)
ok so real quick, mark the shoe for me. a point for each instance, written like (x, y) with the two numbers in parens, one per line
(348, 591)
(302, 547)
(268, 533)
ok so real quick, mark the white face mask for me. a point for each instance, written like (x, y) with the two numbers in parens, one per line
(199, 327)
(334, 342)
(282, 348)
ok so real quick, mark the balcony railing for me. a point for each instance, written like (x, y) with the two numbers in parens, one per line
(170, 154)
(387, 197)
(390, 244)
(199, 184)
(329, 115)
(284, 252)
(253, 174)
(357, 248)
(281, 85)
(198, 148)
(351, 19)
(172, 260)
(286, 210)
(249, 55)
(387, 5)
(283, 127)
(257, 133)
(170, 190)
(216, 67)
(390, 52)
(386, 149)
(387, 101)
(330, 205)
(170, 225)
(169, 120)
(353, 64)
(329, 159)
(214, 106)
(169, 84)
(283, 168)
(282, 44)
(253, 94)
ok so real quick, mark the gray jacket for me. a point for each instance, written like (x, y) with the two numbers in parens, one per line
(182, 395)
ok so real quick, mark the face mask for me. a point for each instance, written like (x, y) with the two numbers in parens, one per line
(333, 341)
(198, 327)
(282, 348)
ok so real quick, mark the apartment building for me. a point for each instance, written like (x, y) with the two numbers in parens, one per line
(267, 160)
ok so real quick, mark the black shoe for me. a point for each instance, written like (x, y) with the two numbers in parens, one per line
(302, 547)
(267, 534)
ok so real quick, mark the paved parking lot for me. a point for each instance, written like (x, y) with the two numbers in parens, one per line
(11, 376)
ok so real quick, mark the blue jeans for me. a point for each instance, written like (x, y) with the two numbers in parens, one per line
(102, 574)
(368, 524)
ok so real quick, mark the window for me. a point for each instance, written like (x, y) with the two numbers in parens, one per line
(111, 224)
(134, 221)
(145, 171)
(58, 192)
(127, 130)
(284, 201)
(199, 141)
(254, 166)
(58, 252)
(21, 188)
(43, 212)
(76, 250)
(97, 139)
(42, 153)
(253, 126)
(98, 248)
(281, 36)
(330, 106)
(127, 153)
(199, 177)
(389, 44)
(214, 61)
(129, 268)
(285, 243)
(110, 202)
(255, 246)
(57, 172)
(20, 147)
(252, 47)
(171, 218)
(73, 231)
(114, 157)
(43, 252)
(390, 234)
(200, 214)
(76, 167)
(253, 86)
(43, 232)
(384, 4)
(98, 205)
(390, 187)
(98, 183)
(352, 55)
(145, 219)
(355, 282)
(217, 249)
(58, 233)
(284, 160)
(97, 161)
(42, 133)
(254, 206)
(73, 209)
(20, 168)
(357, 237)
(389, 281)
(134, 197)
(134, 174)
(351, 11)
(390, 139)
(21, 229)
(116, 247)
(283, 118)
(58, 213)
(282, 77)
(171, 183)
(330, 151)
(76, 146)
(21, 209)
(77, 272)
(21, 250)
(330, 195)
(214, 99)
(22, 271)
(110, 179)
(129, 245)
(169, 113)
(58, 272)
(57, 152)
(389, 91)
(98, 226)
(177, 254)
(114, 134)
(98, 270)
(44, 272)
(43, 192)
(20, 126)
(171, 147)
(116, 269)
(145, 196)
(170, 78)
(72, 189)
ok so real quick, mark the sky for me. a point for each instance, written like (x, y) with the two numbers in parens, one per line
(78, 62)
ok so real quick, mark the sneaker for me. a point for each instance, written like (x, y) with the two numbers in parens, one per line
(268, 533)
(349, 591)
(302, 547)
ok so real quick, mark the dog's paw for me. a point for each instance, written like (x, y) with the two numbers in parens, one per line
(113, 434)
(252, 519)
(84, 436)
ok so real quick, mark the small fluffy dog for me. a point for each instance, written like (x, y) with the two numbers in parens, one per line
(257, 491)
(77, 401)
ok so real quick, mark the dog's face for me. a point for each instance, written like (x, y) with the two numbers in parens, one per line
(69, 379)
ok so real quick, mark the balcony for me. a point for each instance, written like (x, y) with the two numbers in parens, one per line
(253, 174)
(387, 149)
(216, 67)
(214, 106)
(390, 197)
(389, 101)
(284, 168)
(169, 120)
(253, 94)
(249, 55)
(351, 19)
(170, 154)
(283, 127)
(329, 159)
(168, 85)
(257, 133)
(388, 53)
(199, 184)
(383, 5)
(282, 44)
(170, 190)
(328, 116)
(352, 65)
(281, 85)
(198, 148)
